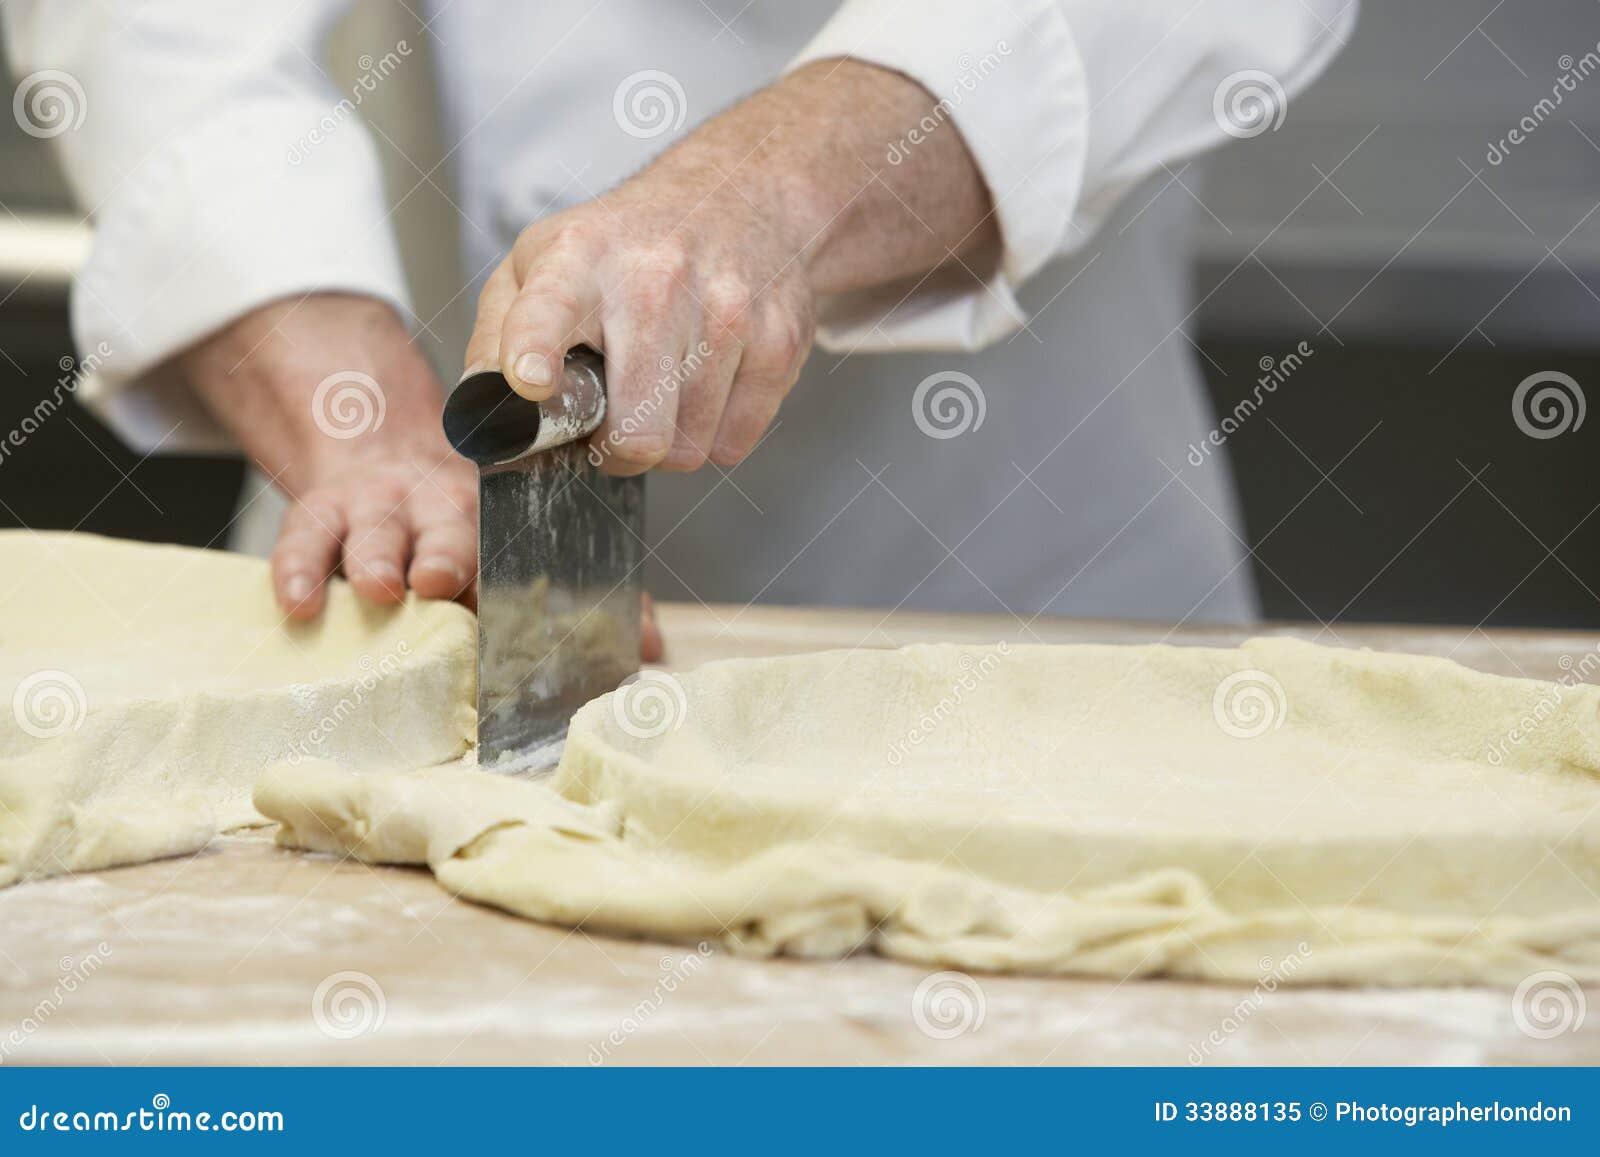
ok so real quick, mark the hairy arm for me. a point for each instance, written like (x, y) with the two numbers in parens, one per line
(698, 277)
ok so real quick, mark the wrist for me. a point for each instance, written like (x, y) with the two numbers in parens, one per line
(317, 387)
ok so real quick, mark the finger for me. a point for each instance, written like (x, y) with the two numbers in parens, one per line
(306, 553)
(767, 372)
(707, 376)
(557, 308)
(444, 552)
(483, 347)
(652, 648)
(376, 552)
(643, 344)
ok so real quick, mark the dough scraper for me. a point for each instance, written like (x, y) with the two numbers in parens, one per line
(560, 553)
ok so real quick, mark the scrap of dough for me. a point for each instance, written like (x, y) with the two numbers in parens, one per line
(1111, 811)
(149, 685)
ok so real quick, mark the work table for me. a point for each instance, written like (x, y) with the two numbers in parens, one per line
(218, 957)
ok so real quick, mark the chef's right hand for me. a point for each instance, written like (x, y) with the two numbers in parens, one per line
(330, 399)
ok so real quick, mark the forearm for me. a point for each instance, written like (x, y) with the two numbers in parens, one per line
(812, 152)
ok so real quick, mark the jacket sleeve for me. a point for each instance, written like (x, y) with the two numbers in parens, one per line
(220, 169)
(1065, 105)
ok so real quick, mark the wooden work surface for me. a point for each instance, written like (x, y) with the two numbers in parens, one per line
(217, 958)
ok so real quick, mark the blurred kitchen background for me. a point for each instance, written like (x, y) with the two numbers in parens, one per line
(1428, 281)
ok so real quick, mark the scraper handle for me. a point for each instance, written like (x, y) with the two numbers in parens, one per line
(490, 423)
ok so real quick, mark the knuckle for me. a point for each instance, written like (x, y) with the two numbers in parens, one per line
(728, 301)
(640, 450)
(322, 506)
(684, 457)
(790, 338)
(547, 295)
(665, 261)
(653, 288)
(731, 453)
(493, 290)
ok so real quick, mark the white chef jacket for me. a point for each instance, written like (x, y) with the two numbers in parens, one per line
(1016, 442)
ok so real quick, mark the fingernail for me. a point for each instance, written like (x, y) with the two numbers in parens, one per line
(297, 590)
(385, 572)
(533, 370)
(441, 564)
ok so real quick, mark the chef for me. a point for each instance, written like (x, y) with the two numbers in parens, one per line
(893, 294)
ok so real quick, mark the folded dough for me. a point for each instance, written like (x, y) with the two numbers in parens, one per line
(1113, 811)
(149, 685)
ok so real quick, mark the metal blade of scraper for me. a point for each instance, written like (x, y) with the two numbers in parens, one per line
(560, 552)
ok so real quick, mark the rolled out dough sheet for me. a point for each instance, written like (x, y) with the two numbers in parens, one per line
(143, 688)
(1318, 814)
